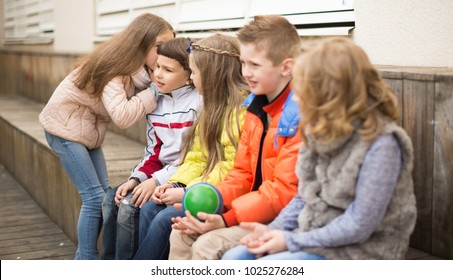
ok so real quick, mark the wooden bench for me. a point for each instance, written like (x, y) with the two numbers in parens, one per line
(27, 233)
(27, 156)
(426, 102)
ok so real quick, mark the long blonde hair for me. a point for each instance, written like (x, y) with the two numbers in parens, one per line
(339, 89)
(122, 55)
(223, 89)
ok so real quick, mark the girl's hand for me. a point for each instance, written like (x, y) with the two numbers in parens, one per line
(252, 239)
(151, 72)
(143, 192)
(156, 197)
(172, 196)
(122, 191)
(271, 242)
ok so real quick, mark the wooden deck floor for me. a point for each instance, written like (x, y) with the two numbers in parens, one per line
(26, 232)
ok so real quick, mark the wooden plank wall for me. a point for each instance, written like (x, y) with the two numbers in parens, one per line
(36, 75)
(426, 98)
(443, 168)
(425, 95)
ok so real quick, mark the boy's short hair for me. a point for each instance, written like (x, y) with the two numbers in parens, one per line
(176, 49)
(274, 34)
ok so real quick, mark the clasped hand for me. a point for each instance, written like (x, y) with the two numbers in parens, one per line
(167, 194)
(141, 192)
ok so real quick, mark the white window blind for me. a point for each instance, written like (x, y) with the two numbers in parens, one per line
(198, 18)
(311, 18)
(28, 21)
(114, 15)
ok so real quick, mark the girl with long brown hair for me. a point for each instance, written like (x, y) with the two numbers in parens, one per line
(109, 84)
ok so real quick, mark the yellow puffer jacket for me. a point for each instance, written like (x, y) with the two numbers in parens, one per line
(189, 172)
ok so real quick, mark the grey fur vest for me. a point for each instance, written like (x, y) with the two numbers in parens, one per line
(327, 182)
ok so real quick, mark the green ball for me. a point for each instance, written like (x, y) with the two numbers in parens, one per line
(202, 197)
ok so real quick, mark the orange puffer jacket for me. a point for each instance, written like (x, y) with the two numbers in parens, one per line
(263, 179)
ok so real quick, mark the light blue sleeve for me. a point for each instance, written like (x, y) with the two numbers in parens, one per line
(287, 219)
(375, 186)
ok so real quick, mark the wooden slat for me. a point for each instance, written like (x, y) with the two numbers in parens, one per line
(26, 232)
(33, 240)
(418, 109)
(36, 217)
(50, 253)
(137, 132)
(443, 171)
(6, 144)
(60, 246)
(31, 231)
(397, 86)
(9, 71)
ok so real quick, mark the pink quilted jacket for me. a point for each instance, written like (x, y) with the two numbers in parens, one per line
(74, 115)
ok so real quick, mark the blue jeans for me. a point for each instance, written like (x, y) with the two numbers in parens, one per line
(240, 253)
(88, 171)
(155, 229)
(120, 235)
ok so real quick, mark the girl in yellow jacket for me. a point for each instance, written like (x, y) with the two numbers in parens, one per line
(211, 146)
(111, 84)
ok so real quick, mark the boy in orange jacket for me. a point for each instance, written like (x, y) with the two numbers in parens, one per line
(263, 178)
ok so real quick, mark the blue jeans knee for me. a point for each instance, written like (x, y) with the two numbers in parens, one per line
(109, 215)
(127, 229)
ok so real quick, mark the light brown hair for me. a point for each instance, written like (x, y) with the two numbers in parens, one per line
(122, 55)
(223, 90)
(273, 34)
(339, 89)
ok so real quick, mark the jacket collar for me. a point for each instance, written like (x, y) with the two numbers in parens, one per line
(175, 94)
(290, 117)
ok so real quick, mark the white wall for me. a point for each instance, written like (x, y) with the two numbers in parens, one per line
(406, 32)
(393, 32)
(74, 25)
